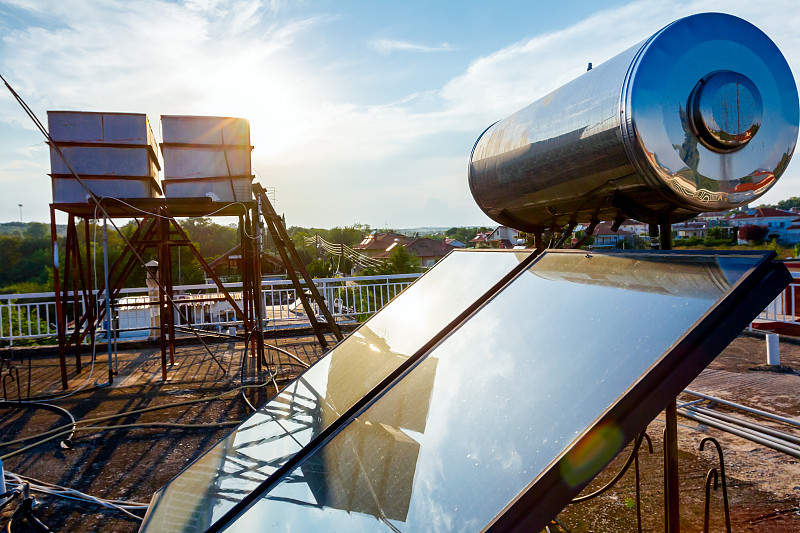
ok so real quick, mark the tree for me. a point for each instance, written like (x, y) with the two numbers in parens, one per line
(463, 234)
(212, 239)
(752, 233)
(400, 261)
(319, 268)
(794, 201)
(716, 233)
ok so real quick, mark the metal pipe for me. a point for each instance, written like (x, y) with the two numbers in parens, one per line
(765, 414)
(741, 433)
(782, 435)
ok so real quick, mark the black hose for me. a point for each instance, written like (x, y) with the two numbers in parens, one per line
(66, 443)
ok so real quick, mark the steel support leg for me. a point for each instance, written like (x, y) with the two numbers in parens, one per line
(60, 322)
(671, 476)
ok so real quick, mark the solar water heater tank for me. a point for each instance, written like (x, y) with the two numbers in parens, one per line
(701, 116)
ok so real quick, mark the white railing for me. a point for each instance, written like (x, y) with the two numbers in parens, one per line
(33, 315)
(784, 308)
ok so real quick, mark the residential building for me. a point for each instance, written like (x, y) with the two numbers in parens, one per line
(640, 229)
(481, 240)
(427, 250)
(505, 237)
(777, 221)
(456, 243)
(377, 243)
(690, 230)
(604, 237)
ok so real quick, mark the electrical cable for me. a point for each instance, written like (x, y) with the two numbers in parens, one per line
(66, 443)
(170, 217)
(241, 370)
(225, 155)
(97, 202)
(96, 429)
(342, 249)
(51, 489)
(133, 412)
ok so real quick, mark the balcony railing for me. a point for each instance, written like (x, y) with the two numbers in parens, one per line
(33, 315)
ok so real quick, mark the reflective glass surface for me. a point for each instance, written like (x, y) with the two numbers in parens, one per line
(485, 412)
(267, 439)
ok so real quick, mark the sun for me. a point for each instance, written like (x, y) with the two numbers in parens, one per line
(279, 110)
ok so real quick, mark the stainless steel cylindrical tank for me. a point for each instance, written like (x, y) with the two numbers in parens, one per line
(702, 116)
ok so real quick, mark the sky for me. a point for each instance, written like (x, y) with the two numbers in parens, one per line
(361, 112)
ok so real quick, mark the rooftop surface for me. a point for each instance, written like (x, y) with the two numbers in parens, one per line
(131, 463)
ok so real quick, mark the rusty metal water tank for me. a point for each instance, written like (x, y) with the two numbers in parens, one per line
(702, 116)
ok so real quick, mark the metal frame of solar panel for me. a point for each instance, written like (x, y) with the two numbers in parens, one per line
(459, 281)
(700, 292)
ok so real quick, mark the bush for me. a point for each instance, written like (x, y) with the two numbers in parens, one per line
(712, 241)
(754, 234)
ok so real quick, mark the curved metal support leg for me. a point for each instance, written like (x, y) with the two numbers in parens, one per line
(722, 480)
(638, 484)
(711, 479)
(16, 378)
(12, 373)
(636, 443)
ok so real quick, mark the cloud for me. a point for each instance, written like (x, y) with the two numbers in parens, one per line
(150, 55)
(502, 82)
(387, 46)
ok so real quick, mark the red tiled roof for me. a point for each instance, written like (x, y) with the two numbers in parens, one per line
(381, 241)
(481, 237)
(604, 228)
(765, 212)
(423, 247)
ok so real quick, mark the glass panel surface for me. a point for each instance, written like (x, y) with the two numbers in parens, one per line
(501, 398)
(269, 437)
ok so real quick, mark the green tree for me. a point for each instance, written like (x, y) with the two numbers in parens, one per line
(319, 268)
(400, 261)
(789, 203)
(212, 239)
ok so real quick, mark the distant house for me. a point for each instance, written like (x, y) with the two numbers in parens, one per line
(605, 238)
(481, 240)
(427, 250)
(714, 218)
(375, 244)
(456, 243)
(689, 230)
(505, 237)
(777, 221)
(637, 228)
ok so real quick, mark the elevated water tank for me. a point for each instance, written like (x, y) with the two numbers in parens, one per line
(207, 157)
(115, 155)
(702, 116)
